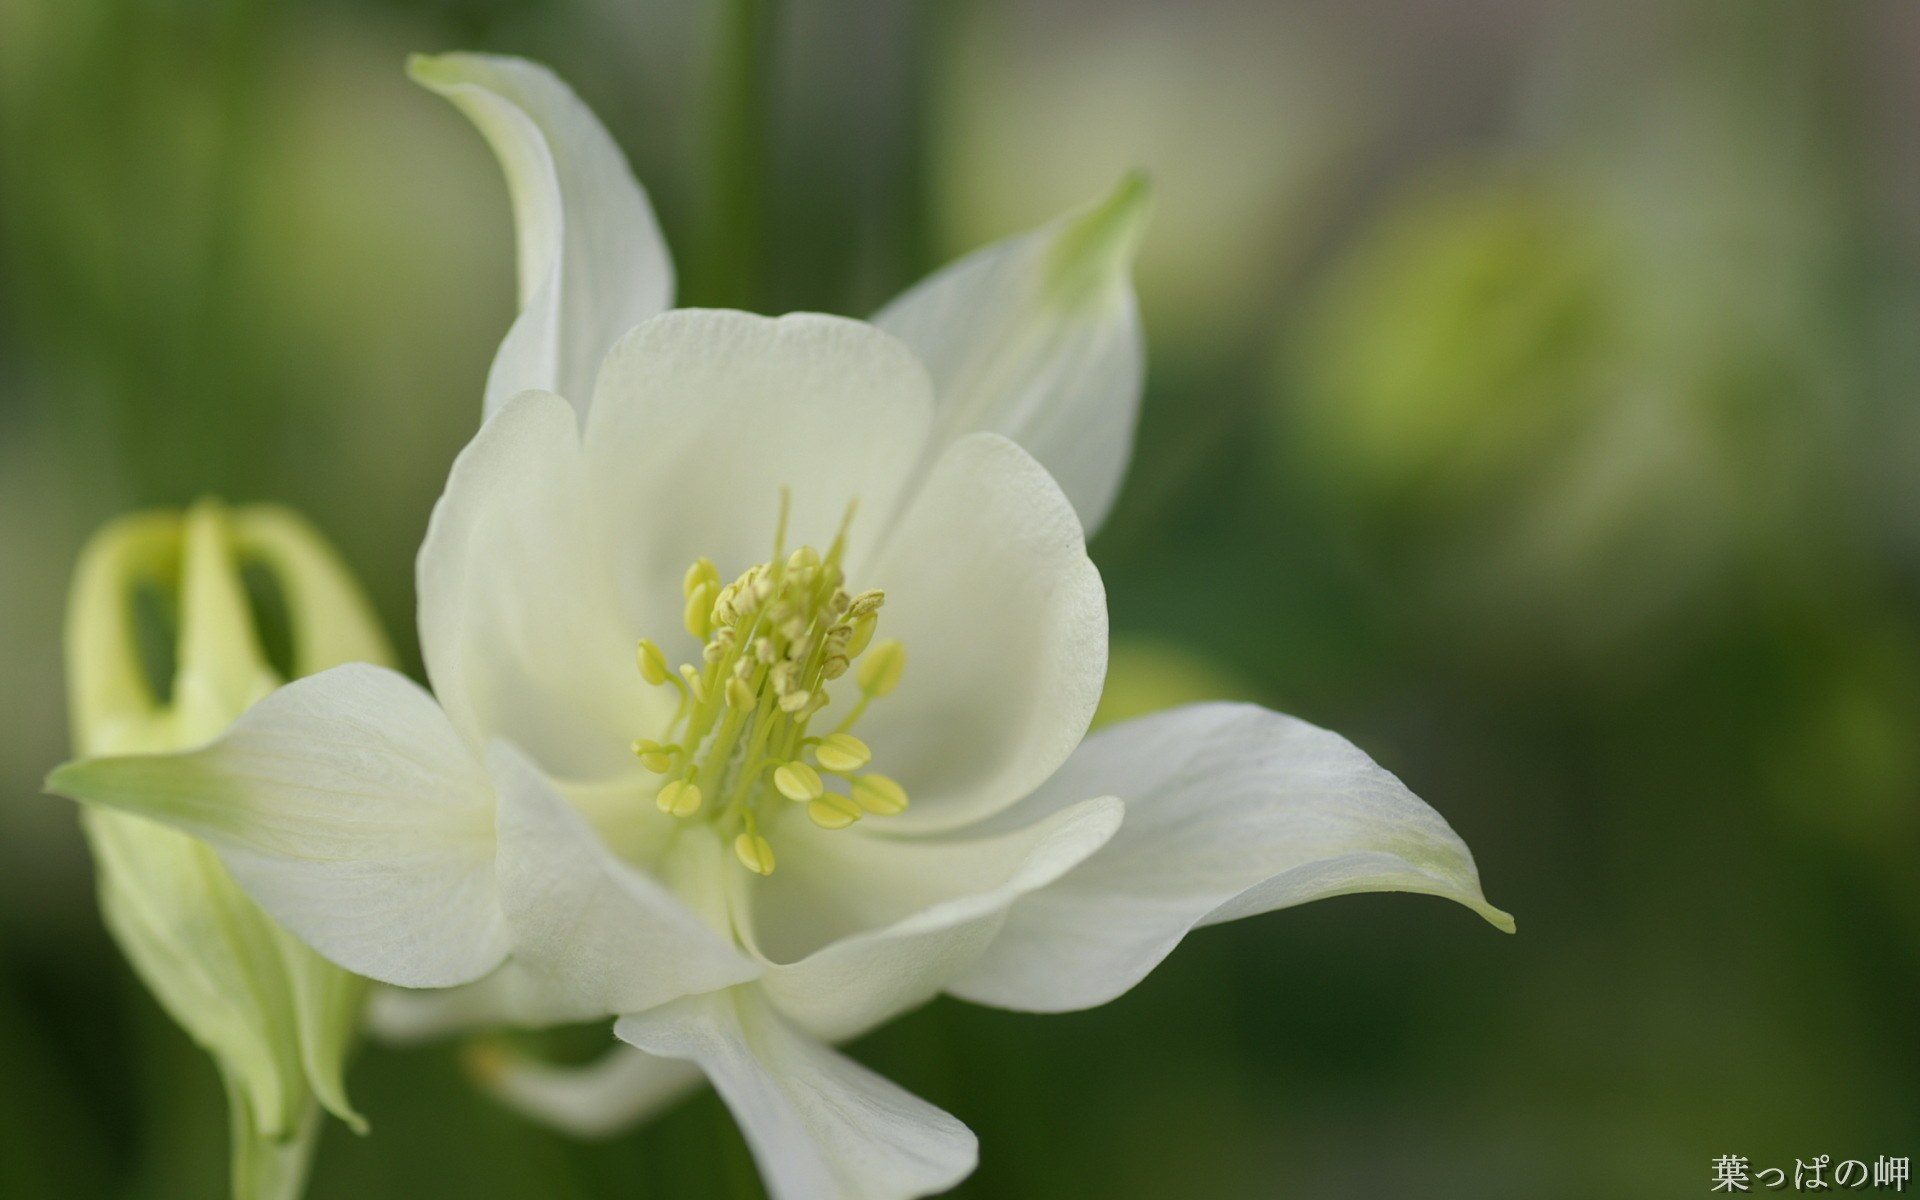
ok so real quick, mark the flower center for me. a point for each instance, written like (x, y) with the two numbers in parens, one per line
(735, 752)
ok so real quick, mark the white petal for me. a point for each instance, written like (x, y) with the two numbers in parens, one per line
(519, 623)
(598, 1099)
(821, 1127)
(1004, 621)
(591, 260)
(597, 935)
(328, 1005)
(349, 809)
(1038, 338)
(1231, 810)
(918, 911)
(206, 953)
(703, 416)
(507, 996)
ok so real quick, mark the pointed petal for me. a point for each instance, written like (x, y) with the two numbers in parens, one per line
(922, 910)
(327, 1006)
(591, 260)
(220, 665)
(348, 808)
(519, 623)
(110, 702)
(607, 1096)
(703, 416)
(821, 1127)
(1038, 338)
(1004, 621)
(507, 996)
(600, 936)
(1231, 810)
(207, 954)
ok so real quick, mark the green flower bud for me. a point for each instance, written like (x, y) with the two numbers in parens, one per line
(277, 1018)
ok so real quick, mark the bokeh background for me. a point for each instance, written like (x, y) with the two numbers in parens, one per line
(1532, 398)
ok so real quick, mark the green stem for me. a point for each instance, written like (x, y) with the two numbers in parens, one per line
(733, 217)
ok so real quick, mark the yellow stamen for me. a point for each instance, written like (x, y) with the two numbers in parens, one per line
(833, 811)
(880, 671)
(698, 615)
(798, 781)
(861, 634)
(653, 756)
(653, 664)
(679, 798)
(842, 752)
(754, 853)
(879, 795)
(701, 572)
(772, 641)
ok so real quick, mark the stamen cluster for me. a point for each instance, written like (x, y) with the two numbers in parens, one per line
(772, 640)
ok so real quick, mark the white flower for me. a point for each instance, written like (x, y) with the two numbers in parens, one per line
(276, 1017)
(842, 774)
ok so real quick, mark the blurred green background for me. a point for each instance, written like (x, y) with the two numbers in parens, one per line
(1532, 398)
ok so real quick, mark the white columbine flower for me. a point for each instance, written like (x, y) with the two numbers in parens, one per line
(845, 770)
(277, 1018)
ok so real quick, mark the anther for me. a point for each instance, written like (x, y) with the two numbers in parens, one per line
(880, 671)
(653, 756)
(842, 752)
(754, 853)
(833, 811)
(680, 798)
(653, 664)
(860, 634)
(798, 781)
(879, 795)
(702, 571)
(698, 614)
(695, 682)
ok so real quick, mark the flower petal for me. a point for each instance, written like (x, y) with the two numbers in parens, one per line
(1038, 338)
(614, 1092)
(597, 936)
(507, 996)
(1231, 810)
(702, 417)
(519, 623)
(821, 1127)
(922, 910)
(591, 260)
(206, 953)
(328, 1005)
(1004, 621)
(348, 808)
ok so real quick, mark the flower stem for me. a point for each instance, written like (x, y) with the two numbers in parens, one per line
(733, 215)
